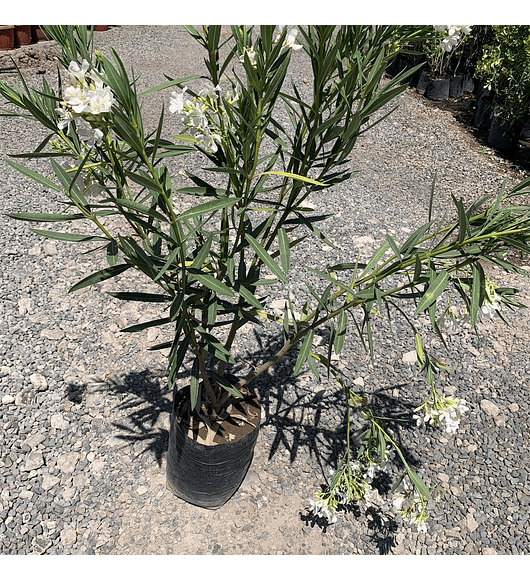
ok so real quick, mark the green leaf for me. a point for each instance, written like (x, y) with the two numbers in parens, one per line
(170, 83)
(419, 348)
(100, 275)
(35, 176)
(144, 325)
(375, 258)
(112, 253)
(305, 349)
(194, 385)
(140, 296)
(478, 290)
(418, 484)
(249, 297)
(294, 176)
(285, 252)
(212, 283)
(266, 258)
(208, 207)
(342, 321)
(45, 217)
(66, 237)
(436, 287)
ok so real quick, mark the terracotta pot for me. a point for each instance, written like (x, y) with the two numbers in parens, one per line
(38, 34)
(22, 35)
(101, 27)
(7, 37)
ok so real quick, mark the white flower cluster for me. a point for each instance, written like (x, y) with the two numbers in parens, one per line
(443, 412)
(412, 507)
(290, 39)
(288, 43)
(321, 509)
(197, 115)
(353, 485)
(86, 97)
(453, 34)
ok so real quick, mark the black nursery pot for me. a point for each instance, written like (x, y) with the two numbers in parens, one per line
(206, 475)
(423, 82)
(503, 135)
(456, 87)
(438, 89)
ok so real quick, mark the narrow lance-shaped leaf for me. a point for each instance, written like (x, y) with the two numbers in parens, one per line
(144, 325)
(418, 483)
(341, 331)
(212, 283)
(375, 258)
(140, 296)
(435, 289)
(35, 176)
(112, 253)
(285, 253)
(208, 207)
(66, 237)
(266, 258)
(100, 275)
(305, 349)
(477, 291)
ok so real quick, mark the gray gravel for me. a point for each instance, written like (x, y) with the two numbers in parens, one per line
(85, 410)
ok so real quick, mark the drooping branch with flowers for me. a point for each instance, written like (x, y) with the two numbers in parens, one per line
(208, 262)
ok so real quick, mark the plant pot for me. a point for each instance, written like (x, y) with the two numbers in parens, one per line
(101, 27)
(503, 135)
(7, 37)
(22, 35)
(209, 475)
(468, 83)
(525, 131)
(438, 89)
(484, 113)
(423, 82)
(456, 86)
(38, 34)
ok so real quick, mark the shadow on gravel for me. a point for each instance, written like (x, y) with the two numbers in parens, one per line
(302, 416)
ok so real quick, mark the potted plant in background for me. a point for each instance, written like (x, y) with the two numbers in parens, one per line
(7, 36)
(210, 260)
(504, 70)
(440, 80)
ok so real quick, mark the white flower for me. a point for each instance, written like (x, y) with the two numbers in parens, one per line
(291, 38)
(176, 101)
(65, 116)
(76, 98)
(489, 309)
(101, 101)
(320, 509)
(195, 118)
(210, 92)
(450, 42)
(421, 526)
(90, 136)
(209, 140)
(78, 73)
(251, 53)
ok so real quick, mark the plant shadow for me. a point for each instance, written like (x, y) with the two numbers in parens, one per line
(299, 410)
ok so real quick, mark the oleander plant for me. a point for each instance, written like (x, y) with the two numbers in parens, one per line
(246, 213)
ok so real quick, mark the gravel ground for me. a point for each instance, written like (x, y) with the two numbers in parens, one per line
(85, 410)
